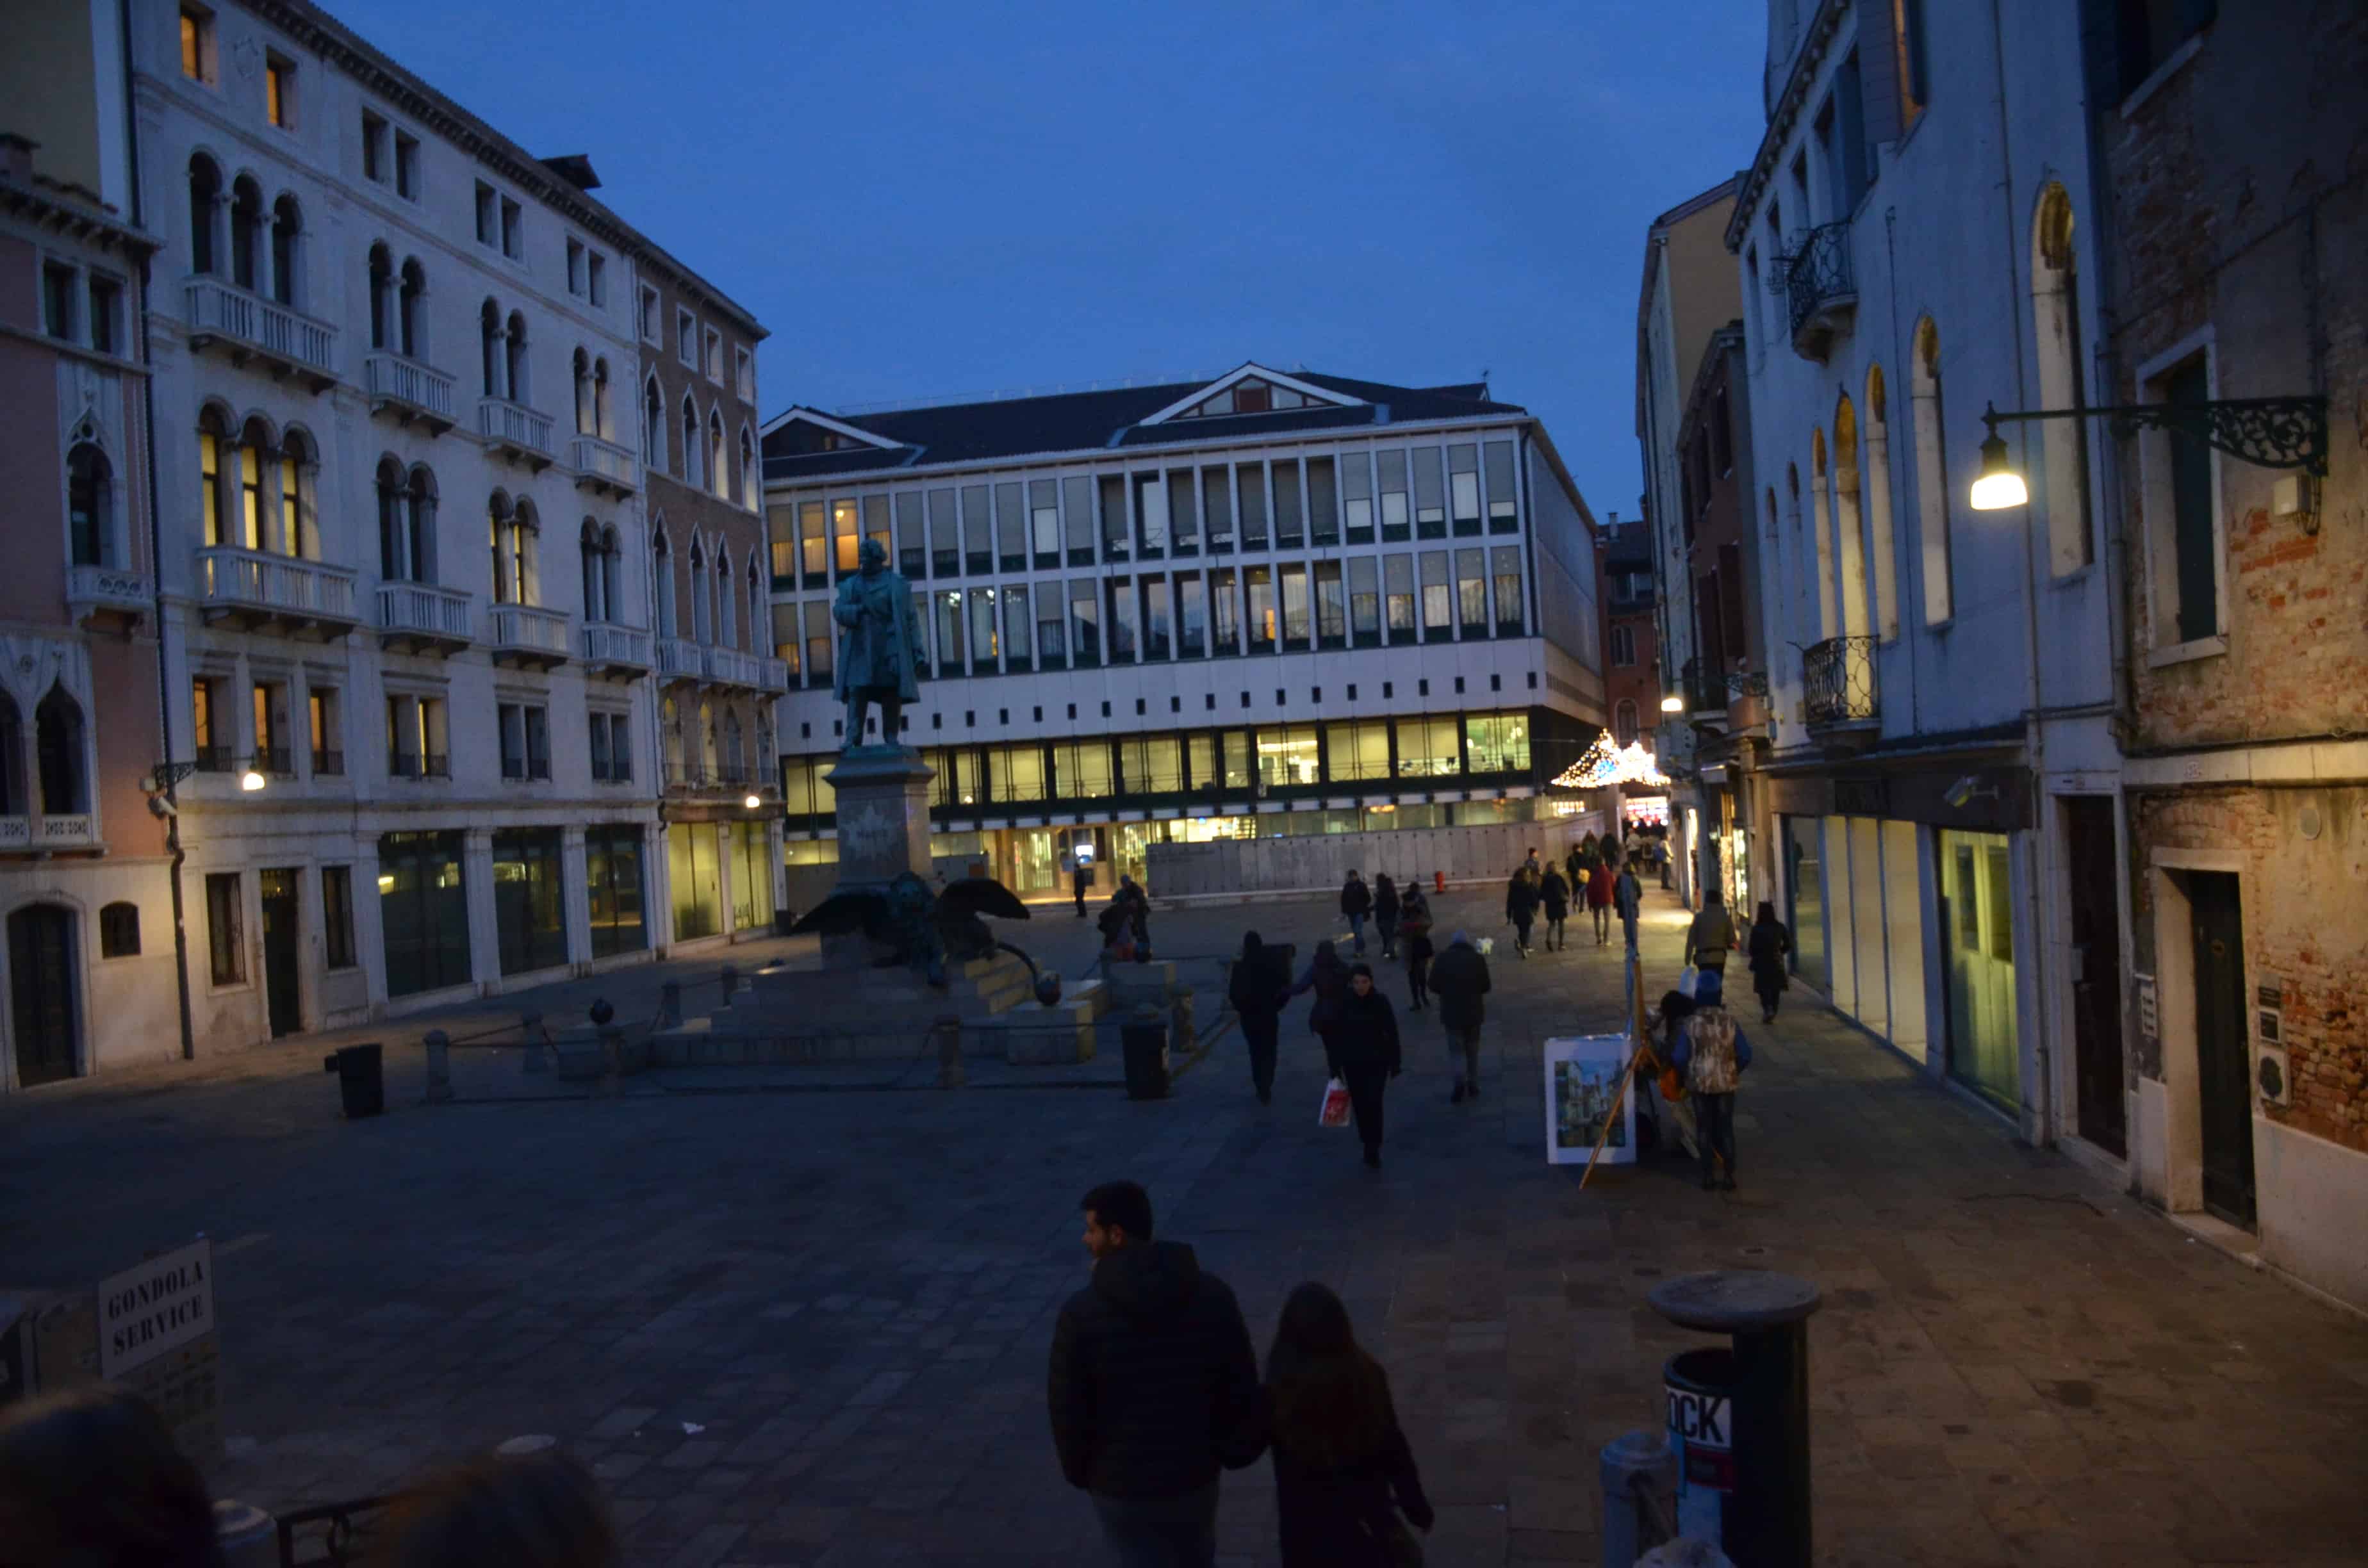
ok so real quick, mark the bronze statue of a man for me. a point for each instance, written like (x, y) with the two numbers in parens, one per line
(876, 650)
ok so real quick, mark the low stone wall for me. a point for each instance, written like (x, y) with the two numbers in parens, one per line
(1485, 852)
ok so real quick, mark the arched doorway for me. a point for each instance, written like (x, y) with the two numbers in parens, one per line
(42, 992)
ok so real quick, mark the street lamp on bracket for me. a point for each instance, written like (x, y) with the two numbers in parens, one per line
(2268, 432)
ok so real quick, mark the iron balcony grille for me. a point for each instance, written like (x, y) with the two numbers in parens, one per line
(1819, 272)
(1838, 674)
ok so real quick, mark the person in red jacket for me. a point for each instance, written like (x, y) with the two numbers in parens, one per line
(1600, 883)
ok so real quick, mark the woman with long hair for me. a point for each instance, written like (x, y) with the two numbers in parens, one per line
(1343, 1471)
(92, 1476)
(1328, 978)
(1414, 930)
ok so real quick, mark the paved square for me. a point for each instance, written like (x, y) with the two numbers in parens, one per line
(809, 1328)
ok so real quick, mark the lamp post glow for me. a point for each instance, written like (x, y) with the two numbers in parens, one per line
(752, 801)
(1999, 486)
(1673, 703)
(252, 778)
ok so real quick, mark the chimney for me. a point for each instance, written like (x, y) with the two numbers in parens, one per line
(16, 158)
(576, 168)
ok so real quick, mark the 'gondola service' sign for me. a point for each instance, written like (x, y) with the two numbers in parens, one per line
(155, 1307)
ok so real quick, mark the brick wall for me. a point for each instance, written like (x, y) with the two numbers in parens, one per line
(2305, 914)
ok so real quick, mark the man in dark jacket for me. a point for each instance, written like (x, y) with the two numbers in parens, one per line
(1258, 989)
(1366, 1042)
(1521, 907)
(1081, 877)
(1356, 902)
(1153, 1387)
(1459, 978)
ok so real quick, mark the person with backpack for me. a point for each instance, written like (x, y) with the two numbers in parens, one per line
(1258, 991)
(1710, 1055)
(1356, 902)
(1328, 977)
(1460, 979)
(1521, 907)
(1414, 930)
(1554, 895)
(1387, 907)
(1343, 1470)
(1138, 916)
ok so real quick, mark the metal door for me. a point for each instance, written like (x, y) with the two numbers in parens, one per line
(2224, 1076)
(283, 987)
(2096, 973)
(42, 992)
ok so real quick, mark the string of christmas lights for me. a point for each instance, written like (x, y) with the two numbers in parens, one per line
(1607, 762)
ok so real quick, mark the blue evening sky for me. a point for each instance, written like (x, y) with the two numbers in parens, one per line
(935, 200)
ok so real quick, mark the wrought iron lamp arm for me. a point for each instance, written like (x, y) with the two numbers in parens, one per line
(2269, 432)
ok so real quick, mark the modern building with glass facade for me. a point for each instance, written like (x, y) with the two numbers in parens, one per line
(1256, 604)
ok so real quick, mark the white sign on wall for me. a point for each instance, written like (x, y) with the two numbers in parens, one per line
(155, 1307)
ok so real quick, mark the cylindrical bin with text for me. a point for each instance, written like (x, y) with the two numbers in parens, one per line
(1701, 1389)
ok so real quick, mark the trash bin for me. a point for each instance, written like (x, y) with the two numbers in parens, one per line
(361, 1079)
(1699, 1385)
(1144, 1044)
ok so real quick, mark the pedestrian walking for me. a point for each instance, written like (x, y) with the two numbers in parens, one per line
(1530, 864)
(1553, 897)
(1600, 885)
(1521, 907)
(1414, 931)
(1153, 1387)
(1356, 902)
(1712, 1054)
(1767, 947)
(1258, 991)
(1328, 977)
(1661, 856)
(1343, 1470)
(1628, 899)
(1081, 878)
(537, 1510)
(1572, 870)
(1460, 977)
(92, 1475)
(1116, 923)
(1387, 908)
(1711, 935)
(1365, 1042)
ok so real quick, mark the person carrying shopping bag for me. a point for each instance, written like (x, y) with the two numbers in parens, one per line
(1365, 1046)
(1343, 1470)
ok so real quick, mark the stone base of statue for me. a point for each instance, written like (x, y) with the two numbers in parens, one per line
(883, 829)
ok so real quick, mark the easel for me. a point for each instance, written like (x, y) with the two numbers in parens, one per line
(1643, 1053)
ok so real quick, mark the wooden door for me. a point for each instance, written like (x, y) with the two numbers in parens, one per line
(2096, 973)
(42, 992)
(2224, 1078)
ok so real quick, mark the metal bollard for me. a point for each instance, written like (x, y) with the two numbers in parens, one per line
(248, 1537)
(730, 985)
(1632, 1463)
(440, 1066)
(949, 1060)
(670, 1004)
(538, 1055)
(612, 1059)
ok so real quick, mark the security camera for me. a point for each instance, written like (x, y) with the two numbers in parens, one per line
(160, 807)
(1967, 788)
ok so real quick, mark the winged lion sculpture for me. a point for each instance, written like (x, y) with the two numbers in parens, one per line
(928, 931)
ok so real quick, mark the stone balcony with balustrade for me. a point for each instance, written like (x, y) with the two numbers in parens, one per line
(615, 653)
(530, 636)
(603, 466)
(516, 432)
(248, 327)
(257, 590)
(679, 660)
(112, 597)
(409, 392)
(420, 617)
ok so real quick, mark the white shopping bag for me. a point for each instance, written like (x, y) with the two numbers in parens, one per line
(1335, 1111)
(1486, 945)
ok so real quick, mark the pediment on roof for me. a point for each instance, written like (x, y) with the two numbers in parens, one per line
(1253, 388)
(801, 430)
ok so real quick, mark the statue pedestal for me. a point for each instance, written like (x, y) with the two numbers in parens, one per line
(883, 795)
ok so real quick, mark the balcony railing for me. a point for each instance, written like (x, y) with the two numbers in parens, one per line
(74, 829)
(260, 587)
(678, 658)
(328, 763)
(1819, 290)
(214, 759)
(1839, 676)
(730, 667)
(521, 430)
(406, 765)
(529, 634)
(413, 390)
(603, 464)
(93, 591)
(16, 833)
(617, 650)
(697, 775)
(773, 675)
(255, 328)
(422, 618)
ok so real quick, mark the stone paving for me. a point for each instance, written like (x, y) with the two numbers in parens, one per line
(809, 1328)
